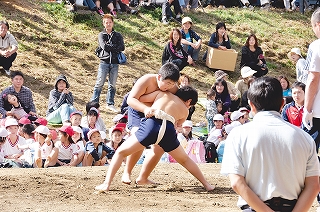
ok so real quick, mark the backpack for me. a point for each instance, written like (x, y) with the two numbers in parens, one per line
(211, 155)
(196, 151)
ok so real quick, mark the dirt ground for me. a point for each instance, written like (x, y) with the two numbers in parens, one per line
(72, 189)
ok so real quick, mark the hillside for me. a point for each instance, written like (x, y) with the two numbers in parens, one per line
(52, 41)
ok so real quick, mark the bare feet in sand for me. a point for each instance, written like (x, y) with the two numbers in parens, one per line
(126, 179)
(209, 187)
(38, 162)
(146, 182)
(102, 188)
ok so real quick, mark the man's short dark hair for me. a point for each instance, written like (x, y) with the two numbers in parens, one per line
(16, 73)
(265, 93)
(169, 71)
(187, 92)
(299, 85)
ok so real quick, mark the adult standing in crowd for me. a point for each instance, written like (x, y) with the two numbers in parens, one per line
(8, 47)
(23, 93)
(252, 56)
(267, 183)
(112, 44)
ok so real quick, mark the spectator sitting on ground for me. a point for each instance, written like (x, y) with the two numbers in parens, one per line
(173, 51)
(252, 56)
(188, 35)
(242, 84)
(23, 93)
(93, 120)
(186, 134)
(75, 119)
(222, 94)
(184, 80)
(60, 104)
(295, 56)
(233, 91)
(219, 39)
(8, 47)
(244, 97)
(286, 90)
(123, 7)
(237, 116)
(77, 138)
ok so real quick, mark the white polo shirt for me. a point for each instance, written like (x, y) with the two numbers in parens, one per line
(66, 152)
(272, 155)
(11, 147)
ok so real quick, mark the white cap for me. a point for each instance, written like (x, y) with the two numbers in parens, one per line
(77, 129)
(246, 71)
(42, 129)
(229, 127)
(103, 135)
(187, 123)
(3, 132)
(218, 117)
(236, 115)
(10, 122)
(294, 50)
(243, 109)
(186, 19)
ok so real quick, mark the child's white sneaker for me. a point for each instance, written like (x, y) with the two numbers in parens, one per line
(8, 72)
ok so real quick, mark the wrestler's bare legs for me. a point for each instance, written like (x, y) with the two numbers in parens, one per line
(181, 157)
(149, 163)
(130, 163)
(127, 148)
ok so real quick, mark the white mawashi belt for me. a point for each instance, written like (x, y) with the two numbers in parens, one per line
(159, 114)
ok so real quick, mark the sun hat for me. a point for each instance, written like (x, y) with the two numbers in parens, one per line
(294, 50)
(76, 112)
(77, 129)
(236, 115)
(220, 74)
(67, 129)
(186, 19)
(91, 132)
(41, 121)
(42, 129)
(24, 120)
(244, 109)
(246, 71)
(218, 117)
(3, 132)
(187, 123)
(10, 122)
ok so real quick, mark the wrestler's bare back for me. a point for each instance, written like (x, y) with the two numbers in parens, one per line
(172, 105)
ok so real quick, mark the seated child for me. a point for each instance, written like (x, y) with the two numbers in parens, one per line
(43, 137)
(93, 120)
(3, 137)
(211, 108)
(116, 138)
(65, 150)
(286, 90)
(295, 56)
(10, 147)
(75, 119)
(80, 142)
(237, 116)
(186, 134)
(11, 103)
(96, 152)
(27, 131)
(246, 114)
(293, 111)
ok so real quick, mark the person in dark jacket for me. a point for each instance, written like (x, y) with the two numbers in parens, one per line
(173, 52)
(112, 44)
(60, 104)
(222, 94)
(252, 56)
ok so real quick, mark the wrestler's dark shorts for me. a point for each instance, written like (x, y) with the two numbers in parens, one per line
(148, 131)
(134, 118)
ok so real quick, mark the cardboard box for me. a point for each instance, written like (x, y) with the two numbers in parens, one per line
(221, 59)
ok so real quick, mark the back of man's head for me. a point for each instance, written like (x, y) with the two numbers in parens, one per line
(265, 93)
(315, 18)
(169, 71)
(187, 92)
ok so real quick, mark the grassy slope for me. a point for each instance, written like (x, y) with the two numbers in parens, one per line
(52, 41)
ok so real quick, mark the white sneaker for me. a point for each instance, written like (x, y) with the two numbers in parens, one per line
(164, 21)
(112, 108)
(8, 72)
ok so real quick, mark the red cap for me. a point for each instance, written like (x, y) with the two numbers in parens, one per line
(24, 120)
(67, 129)
(117, 129)
(121, 125)
(41, 121)
(53, 134)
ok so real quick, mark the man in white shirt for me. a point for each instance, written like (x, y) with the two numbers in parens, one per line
(271, 164)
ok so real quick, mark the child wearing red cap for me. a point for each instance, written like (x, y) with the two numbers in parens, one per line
(65, 151)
